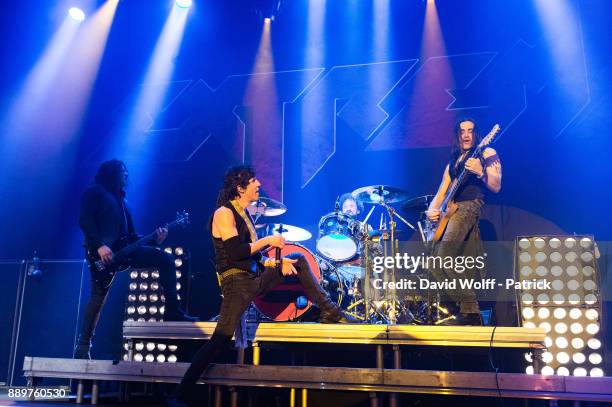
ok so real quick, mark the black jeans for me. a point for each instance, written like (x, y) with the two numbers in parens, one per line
(461, 237)
(146, 256)
(238, 291)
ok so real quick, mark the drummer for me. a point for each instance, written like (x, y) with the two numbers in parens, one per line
(349, 205)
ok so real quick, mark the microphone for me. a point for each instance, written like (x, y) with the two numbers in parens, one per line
(337, 206)
(278, 261)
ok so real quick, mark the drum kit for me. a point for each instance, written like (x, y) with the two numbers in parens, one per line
(344, 247)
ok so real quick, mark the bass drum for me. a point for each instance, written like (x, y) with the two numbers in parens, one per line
(288, 301)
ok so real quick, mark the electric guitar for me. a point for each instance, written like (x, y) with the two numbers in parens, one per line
(433, 231)
(104, 274)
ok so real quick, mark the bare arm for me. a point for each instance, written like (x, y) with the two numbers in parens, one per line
(493, 170)
(224, 227)
(439, 197)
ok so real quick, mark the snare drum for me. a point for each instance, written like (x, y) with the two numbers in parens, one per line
(338, 237)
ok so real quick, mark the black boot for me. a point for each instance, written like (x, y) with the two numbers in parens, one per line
(82, 349)
(471, 319)
(332, 314)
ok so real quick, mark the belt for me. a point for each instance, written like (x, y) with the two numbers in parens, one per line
(229, 272)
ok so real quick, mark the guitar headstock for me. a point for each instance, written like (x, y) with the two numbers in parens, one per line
(489, 137)
(182, 218)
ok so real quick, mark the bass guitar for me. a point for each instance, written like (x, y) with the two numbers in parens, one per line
(104, 273)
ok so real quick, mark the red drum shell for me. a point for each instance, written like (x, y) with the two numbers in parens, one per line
(278, 304)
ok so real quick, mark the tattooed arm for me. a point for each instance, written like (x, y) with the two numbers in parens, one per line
(493, 170)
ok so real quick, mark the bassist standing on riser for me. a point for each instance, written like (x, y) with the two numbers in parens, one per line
(106, 223)
(483, 173)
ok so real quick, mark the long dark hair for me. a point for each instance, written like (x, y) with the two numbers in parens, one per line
(110, 176)
(235, 177)
(456, 149)
(345, 197)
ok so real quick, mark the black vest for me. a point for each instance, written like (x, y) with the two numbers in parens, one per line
(471, 188)
(222, 259)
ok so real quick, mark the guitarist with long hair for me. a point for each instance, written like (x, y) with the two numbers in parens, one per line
(106, 222)
(469, 178)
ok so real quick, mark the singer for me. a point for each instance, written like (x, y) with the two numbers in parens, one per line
(244, 273)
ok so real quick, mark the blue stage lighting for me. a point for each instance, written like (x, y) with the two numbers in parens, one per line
(76, 14)
(183, 3)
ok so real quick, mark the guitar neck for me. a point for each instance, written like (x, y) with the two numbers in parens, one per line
(140, 242)
(455, 186)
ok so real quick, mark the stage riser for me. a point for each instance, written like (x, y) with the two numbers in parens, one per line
(325, 378)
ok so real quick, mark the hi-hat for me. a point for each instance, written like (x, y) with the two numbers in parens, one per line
(266, 207)
(290, 233)
(377, 193)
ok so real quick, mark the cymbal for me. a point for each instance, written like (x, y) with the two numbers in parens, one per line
(377, 193)
(289, 232)
(266, 207)
(419, 203)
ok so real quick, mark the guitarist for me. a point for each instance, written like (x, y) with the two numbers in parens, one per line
(105, 221)
(484, 174)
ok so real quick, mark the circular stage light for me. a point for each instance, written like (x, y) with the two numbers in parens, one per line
(547, 371)
(572, 271)
(563, 357)
(528, 313)
(595, 358)
(578, 357)
(555, 243)
(543, 313)
(561, 342)
(596, 372)
(576, 328)
(560, 313)
(556, 271)
(585, 242)
(563, 371)
(183, 3)
(592, 328)
(594, 343)
(543, 299)
(580, 371)
(76, 14)
(558, 299)
(577, 343)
